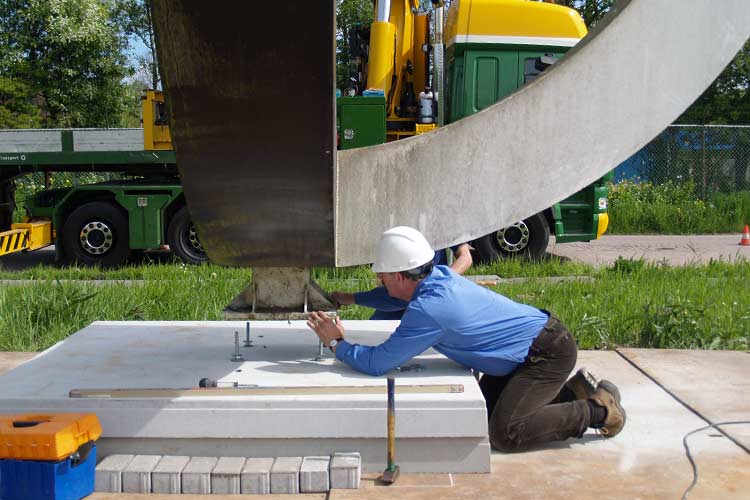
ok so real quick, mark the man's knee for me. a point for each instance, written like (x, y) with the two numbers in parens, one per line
(507, 437)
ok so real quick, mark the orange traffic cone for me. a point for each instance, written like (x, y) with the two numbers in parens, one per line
(745, 241)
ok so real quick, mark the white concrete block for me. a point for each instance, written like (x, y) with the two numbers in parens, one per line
(167, 476)
(108, 475)
(285, 475)
(225, 478)
(313, 475)
(255, 478)
(346, 470)
(196, 476)
(136, 477)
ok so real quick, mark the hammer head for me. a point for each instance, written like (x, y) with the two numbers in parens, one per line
(390, 474)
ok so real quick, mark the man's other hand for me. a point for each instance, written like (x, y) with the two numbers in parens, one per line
(343, 298)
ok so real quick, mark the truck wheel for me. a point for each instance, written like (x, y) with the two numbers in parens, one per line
(527, 238)
(96, 233)
(183, 240)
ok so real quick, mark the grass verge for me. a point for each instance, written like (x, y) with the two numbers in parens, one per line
(629, 304)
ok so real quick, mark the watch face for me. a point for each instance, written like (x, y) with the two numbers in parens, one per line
(333, 343)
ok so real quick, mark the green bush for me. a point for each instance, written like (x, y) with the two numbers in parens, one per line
(669, 208)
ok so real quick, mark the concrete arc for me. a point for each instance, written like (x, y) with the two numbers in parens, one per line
(615, 91)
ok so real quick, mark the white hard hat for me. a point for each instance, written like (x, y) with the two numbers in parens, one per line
(400, 249)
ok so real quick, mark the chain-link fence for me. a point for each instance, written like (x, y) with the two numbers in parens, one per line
(29, 184)
(715, 158)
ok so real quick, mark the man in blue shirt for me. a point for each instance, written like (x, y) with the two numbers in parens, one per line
(392, 308)
(525, 353)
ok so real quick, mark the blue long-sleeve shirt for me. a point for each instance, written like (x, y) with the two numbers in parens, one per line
(387, 307)
(467, 323)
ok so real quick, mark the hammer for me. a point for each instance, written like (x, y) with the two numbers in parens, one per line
(391, 472)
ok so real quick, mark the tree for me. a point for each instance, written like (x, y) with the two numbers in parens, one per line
(591, 10)
(16, 108)
(134, 18)
(68, 56)
(350, 14)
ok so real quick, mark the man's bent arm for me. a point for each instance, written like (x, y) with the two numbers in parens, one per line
(417, 333)
(462, 261)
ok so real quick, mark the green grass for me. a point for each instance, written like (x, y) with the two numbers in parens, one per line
(644, 208)
(631, 303)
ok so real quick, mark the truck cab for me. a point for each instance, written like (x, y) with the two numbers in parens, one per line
(493, 48)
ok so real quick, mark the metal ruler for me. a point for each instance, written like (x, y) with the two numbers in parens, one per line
(260, 391)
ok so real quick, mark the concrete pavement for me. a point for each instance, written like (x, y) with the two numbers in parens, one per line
(676, 250)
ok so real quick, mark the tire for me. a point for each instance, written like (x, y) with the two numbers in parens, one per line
(183, 240)
(96, 234)
(527, 239)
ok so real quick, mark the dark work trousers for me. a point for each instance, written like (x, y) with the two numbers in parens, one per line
(528, 407)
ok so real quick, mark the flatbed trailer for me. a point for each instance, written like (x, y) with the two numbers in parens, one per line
(98, 224)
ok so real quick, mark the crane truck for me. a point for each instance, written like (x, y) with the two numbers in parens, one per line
(492, 48)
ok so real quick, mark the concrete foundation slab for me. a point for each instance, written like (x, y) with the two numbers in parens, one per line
(285, 475)
(716, 384)
(438, 430)
(136, 477)
(108, 477)
(196, 476)
(255, 478)
(167, 476)
(225, 479)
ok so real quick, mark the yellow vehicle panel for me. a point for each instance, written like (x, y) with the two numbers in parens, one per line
(513, 21)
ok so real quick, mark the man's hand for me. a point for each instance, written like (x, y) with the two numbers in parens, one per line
(343, 298)
(462, 261)
(325, 328)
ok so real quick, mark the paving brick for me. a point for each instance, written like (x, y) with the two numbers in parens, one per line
(225, 478)
(108, 476)
(285, 475)
(136, 477)
(255, 478)
(313, 475)
(346, 470)
(167, 476)
(196, 476)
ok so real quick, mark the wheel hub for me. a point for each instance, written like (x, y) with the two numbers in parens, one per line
(96, 238)
(514, 238)
(193, 239)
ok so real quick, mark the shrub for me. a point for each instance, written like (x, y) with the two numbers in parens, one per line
(669, 208)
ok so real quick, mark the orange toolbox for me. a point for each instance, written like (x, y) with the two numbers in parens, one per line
(48, 456)
(48, 437)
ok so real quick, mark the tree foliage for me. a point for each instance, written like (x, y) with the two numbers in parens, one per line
(16, 109)
(727, 100)
(591, 10)
(350, 14)
(68, 57)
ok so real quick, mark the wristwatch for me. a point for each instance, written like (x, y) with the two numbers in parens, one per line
(333, 343)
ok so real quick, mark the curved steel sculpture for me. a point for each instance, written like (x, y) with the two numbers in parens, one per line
(614, 92)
